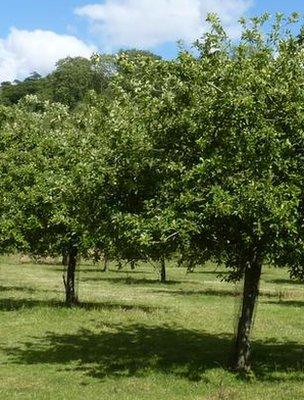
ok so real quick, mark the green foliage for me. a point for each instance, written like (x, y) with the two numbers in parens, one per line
(31, 144)
(71, 80)
(202, 154)
(224, 138)
(42, 169)
(11, 93)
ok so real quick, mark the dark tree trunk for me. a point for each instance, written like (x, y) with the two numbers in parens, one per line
(132, 265)
(163, 274)
(105, 263)
(190, 268)
(241, 360)
(69, 280)
(65, 259)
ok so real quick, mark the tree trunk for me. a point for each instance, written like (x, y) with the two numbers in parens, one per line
(105, 263)
(65, 258)
(69, 281)
(242, 351)
(190, 267)
(132, 265)
(163, 274)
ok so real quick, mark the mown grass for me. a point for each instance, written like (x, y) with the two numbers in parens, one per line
(134, 338)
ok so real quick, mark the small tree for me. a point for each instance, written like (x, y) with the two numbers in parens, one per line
(46, 158)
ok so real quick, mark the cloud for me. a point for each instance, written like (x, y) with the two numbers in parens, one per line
(23, 52)
(149, 23)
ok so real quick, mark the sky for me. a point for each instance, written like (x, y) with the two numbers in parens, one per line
(34, 34)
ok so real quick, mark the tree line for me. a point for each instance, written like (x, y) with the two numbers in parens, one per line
(201, 156)
(71, 80)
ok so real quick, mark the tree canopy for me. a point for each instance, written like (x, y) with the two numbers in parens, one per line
(223, 142)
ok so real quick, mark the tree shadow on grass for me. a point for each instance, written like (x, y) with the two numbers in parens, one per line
(215, 292)
(10, 304)
(209, 272)
(137, 350)
(128, 271)
(16, 288)
(79, 269)
(290, 303)
(127, 351)
(27, 289)
(280, 281)
(99, 270)
(203, 292)
(129, 280)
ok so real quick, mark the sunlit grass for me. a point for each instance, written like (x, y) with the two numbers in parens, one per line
(135, 338)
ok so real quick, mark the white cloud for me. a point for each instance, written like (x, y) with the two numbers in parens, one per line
(148, 23)
(23, 52)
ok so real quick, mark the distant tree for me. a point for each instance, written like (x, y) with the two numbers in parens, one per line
(71, 80)
(32, 77)
(5, 83)
(11, 93)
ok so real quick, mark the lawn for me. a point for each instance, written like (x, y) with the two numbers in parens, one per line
(135, 338)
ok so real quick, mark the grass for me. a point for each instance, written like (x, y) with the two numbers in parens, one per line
(134, 338)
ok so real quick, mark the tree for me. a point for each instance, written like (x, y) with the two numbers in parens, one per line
(75, 77)
(222, 154)
(11, 93)
(71, 80)
(43, 180)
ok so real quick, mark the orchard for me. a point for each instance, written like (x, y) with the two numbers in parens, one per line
(192, 160)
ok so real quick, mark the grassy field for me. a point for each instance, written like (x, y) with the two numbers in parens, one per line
(134, 338)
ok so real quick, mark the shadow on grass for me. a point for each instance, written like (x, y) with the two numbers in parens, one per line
(208, 272)
(206, 292)
(99, 270)
(16, 288)
(126, 271)
(10, 304)
(120, 351)
(280, 281)
(290, 303)
(27, 289)
(129, 280)
(215, 292)
(79, 269)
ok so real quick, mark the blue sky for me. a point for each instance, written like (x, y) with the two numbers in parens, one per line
(34, 33)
